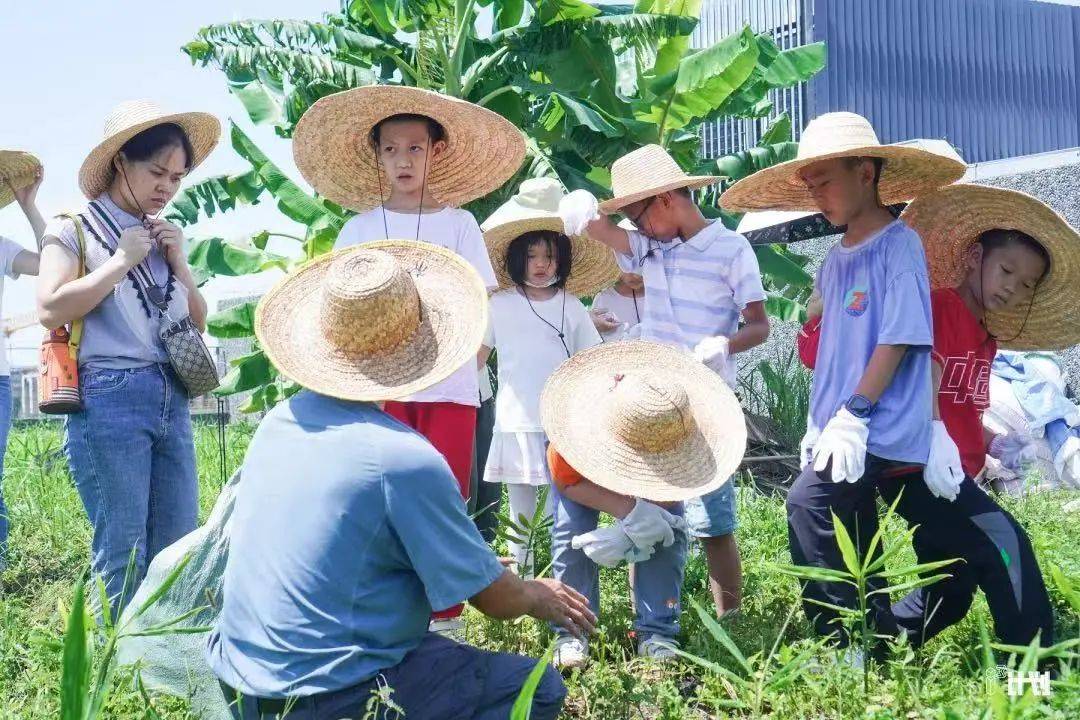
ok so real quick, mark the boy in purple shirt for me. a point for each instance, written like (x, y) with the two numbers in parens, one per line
(870, 406)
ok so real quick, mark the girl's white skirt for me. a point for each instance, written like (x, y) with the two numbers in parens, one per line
(518, 458)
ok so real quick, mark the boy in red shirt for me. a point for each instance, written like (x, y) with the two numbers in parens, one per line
(991, 255)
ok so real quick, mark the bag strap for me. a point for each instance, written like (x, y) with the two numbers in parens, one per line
(140, 274)
(77, 324)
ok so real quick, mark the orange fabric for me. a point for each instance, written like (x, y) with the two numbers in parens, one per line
(561, 472)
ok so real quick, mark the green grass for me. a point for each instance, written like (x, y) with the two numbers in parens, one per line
(49, 548)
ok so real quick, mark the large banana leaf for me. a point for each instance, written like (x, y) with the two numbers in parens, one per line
(216, 194)
(235, 322)
(747, 162)
(293, 202)
(210, 257)
(553, 11)
(703, 81)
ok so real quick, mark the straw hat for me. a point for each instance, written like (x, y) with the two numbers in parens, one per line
(376, 321)
(130, 118)
(907, 171)
(646, 172)
(536, 207)
(17, 170)
(644, 419)
(951, 219)
(332, 146)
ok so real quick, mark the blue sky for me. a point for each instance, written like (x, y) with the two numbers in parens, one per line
(67, 63)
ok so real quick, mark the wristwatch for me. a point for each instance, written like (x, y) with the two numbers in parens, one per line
(859, 406)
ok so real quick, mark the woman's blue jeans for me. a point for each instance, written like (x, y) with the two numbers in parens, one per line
(132, 456)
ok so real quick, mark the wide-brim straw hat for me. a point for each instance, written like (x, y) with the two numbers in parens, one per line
(644, 419)
(646, 172)
(906, 172)
(536, 207)
(950, 220)
(377, 321)
(333, 151)
(130, 118)
(17, 170)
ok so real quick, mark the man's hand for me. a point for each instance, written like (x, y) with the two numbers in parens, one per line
(713, 353)
(843, 441)
(27, 196)
(171, 240)
(604, 320)
(943, 474)
(577, 210)
(609, 546)
(648, 524)
(552, 601)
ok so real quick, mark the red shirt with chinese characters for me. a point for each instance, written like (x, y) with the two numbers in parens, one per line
(964, 352)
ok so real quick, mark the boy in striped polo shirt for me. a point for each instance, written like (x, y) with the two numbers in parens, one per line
(701, 279)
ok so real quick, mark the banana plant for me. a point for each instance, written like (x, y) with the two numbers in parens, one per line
(585, 82)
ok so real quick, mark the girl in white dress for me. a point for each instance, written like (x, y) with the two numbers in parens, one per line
(535, 325)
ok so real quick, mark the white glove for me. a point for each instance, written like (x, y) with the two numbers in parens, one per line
(648, 524)
(610, 546)
(577, 210)
(713, 351)
(844, 442)
(1067, 462)
(943, 473)
(806, 447)
(1015, 450)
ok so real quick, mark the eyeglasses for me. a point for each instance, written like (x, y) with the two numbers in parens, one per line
(636, 219)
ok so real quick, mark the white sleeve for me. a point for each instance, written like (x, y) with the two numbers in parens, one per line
(8, 250)
(584, 332)
(349, 233)
(489, 331)
(471, 247)
(639, 246)
(745, 278)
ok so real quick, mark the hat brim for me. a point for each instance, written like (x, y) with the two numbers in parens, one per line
(332, 146)
(592, 267)
(950, 220)
(203, 131)
(453, 312)
(578, 394)
(690, 182)
(17, 170)
(907, 173)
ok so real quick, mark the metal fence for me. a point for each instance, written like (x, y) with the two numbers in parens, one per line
(784, 21)
(996, 78)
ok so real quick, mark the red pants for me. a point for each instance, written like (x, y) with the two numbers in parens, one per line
(451, 429)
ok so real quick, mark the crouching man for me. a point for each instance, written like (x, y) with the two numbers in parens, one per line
(349, 528)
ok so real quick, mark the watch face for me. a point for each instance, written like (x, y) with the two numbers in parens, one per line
(859, 406)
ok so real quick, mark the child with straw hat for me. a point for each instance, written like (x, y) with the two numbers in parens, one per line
(404, 159)
(1002, 272)
(870, 394)
(703, 293)
(20, 177)
(536, 323)
(348, 528)
(636, 428)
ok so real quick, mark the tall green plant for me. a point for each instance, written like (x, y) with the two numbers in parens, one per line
(586, 83)
(89, 649)
(863, 569)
